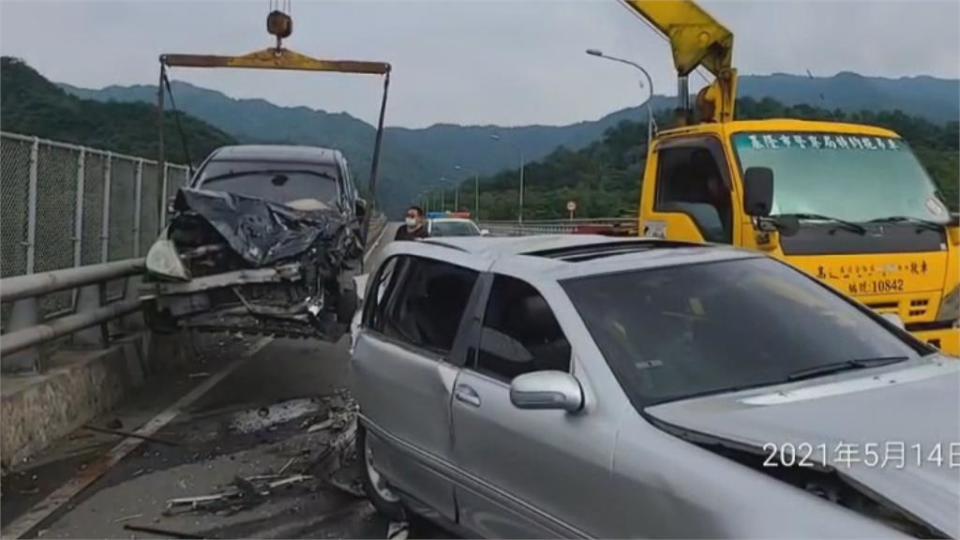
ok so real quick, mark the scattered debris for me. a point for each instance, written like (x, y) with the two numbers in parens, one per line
(262, 418)
(398, 530)
(352, 486)
(287, 465)
(121, 433)
(244, 493)
(127, 518)
(320, 425)
(160, 532)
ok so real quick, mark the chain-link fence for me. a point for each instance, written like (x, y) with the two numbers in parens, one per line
(63, 205)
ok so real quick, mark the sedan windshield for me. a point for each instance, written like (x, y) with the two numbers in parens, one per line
(677, 332)
(454, 228)
(277, 182)
(850, 177)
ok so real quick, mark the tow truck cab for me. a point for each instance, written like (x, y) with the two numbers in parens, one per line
(848, 204)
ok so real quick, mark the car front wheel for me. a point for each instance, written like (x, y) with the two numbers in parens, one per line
(374, 484)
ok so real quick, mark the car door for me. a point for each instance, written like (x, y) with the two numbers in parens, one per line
(692, 198)
(402, 379)
(524, 473)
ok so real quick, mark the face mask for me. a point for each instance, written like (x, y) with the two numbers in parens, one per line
(411, 222)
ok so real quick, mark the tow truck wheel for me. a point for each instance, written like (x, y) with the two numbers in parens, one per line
(374, 485)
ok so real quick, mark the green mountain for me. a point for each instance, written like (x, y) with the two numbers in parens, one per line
(32, 105)
(604, 177)
(415, 159)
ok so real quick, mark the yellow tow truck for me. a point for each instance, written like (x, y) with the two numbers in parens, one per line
(849, 204)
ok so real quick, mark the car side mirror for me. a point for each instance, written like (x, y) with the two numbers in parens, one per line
(360, 206)
(546, 390)
(484, 232)
(758, 191)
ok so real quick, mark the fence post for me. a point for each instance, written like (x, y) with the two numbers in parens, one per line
(32, 206)
(78, 214)
(138, 218)
(163, 197)
(25, 313)
(105, 222)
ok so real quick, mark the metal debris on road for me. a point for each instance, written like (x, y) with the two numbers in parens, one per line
(320, 425)
(287, 465)
(398, 530)
(127, 518)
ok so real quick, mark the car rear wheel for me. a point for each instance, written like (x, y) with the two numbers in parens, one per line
(374, 484)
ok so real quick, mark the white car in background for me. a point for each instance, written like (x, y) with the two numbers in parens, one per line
(454, 227)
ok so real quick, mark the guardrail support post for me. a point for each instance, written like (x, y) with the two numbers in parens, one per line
(25, 314)
(90, 298)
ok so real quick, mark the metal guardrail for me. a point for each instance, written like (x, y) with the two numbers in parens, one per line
(606, 226)
(27, 328)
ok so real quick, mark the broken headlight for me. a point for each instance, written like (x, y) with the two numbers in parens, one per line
(950, 306)
(163, 260)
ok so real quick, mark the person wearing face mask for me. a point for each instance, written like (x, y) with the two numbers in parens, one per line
(413, 226)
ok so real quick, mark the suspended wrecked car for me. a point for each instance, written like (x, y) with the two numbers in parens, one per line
(265, 239)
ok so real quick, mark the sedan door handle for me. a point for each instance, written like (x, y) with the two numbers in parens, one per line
(467, 395)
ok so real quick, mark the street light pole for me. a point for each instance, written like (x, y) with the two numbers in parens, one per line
(476, 189)
(650, 122)
(522, 167)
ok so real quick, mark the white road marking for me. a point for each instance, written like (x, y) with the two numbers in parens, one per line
(62, 495)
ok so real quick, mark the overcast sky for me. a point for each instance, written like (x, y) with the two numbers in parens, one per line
(507, 62)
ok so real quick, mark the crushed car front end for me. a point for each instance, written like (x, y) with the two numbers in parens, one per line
(237, 263)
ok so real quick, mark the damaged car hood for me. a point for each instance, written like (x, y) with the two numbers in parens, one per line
(261, 232)
(916, 404)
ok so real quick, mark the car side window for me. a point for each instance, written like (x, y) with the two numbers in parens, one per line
(422, 303)
(379, 291)
(689, 181)
(520, 333)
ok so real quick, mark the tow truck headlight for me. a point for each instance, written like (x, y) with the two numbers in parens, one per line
(162, 259)
(950, 306)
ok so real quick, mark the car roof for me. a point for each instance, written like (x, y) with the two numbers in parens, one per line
(277, 152)
(557, 257)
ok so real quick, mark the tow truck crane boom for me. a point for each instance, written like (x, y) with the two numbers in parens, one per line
(696, 39)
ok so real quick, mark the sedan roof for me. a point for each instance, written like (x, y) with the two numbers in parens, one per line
(560, 256)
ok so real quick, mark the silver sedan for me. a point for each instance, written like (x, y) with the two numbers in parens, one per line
(591, 387)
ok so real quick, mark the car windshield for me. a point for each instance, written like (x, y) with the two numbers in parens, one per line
(850, 177)
(677, 332)
(454, 228)
(273, 181)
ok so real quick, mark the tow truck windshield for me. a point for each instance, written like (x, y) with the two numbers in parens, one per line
(853, 178)
(272, 181)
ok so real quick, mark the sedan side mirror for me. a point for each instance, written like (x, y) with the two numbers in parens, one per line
(546, 390)
(484, 232)
(360, 208)
(758, 191)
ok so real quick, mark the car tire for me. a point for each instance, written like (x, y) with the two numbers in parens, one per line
(374, 485)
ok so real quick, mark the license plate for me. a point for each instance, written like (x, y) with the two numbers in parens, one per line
(877, 286)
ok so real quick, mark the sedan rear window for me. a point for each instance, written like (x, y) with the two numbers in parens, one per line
(677, 332)
(273, 181)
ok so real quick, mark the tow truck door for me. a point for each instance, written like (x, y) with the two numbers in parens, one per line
(688, 194)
